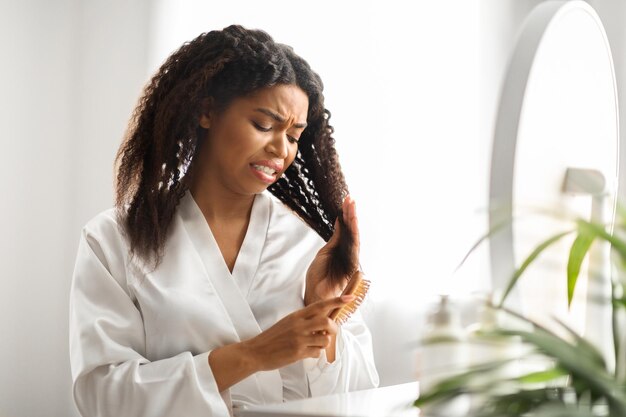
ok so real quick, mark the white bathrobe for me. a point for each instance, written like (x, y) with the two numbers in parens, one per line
(140, 338)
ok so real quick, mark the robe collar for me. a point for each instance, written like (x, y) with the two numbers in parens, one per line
(262, 387)
(232, 288)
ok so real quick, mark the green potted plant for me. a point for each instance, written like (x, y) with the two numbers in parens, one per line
(576, 381)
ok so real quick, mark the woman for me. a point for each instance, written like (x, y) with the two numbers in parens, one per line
(201, 293)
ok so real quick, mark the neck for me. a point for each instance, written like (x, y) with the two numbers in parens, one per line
(216, 203)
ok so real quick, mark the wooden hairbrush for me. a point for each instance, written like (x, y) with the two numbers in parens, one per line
(358, 287)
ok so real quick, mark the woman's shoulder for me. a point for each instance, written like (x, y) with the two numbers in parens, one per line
(104, 234)
(280, 211)
(285, 218)
(104, 224)
(104, 251)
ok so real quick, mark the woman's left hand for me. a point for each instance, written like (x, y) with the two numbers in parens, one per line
(319, 286)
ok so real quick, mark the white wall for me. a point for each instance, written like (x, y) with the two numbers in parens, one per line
(110, 72)
(36, 134)
(612, 14)
(69, 76)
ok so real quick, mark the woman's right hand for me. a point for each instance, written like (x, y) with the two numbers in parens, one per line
(319, 285)
(301, 334)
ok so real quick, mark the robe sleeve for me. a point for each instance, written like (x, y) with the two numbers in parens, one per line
(111, 376)
(353, 368)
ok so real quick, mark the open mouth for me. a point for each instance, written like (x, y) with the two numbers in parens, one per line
(264, 169)
(264, 173)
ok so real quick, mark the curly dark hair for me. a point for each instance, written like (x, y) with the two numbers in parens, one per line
(157, 155)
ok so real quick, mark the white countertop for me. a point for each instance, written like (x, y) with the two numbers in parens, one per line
(392, 401)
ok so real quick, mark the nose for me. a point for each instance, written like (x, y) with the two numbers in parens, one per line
(278, 145)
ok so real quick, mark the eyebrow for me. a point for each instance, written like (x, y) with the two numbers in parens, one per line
(278, 117)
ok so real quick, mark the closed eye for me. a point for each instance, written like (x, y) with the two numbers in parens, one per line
(261, 128)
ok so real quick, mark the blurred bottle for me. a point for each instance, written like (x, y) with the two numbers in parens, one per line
(486, 346)
(443, 353)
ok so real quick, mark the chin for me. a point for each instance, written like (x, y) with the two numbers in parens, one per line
(258, 189)
(261, 189)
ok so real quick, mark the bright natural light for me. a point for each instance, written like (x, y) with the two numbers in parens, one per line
(402, 83)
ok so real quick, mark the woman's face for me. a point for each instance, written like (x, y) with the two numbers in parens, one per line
(254, 140)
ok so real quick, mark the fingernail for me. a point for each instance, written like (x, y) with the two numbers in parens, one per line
(347, 298)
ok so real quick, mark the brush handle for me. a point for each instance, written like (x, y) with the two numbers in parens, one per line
(353, 285)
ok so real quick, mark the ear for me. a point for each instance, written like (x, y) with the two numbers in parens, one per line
(206, 112)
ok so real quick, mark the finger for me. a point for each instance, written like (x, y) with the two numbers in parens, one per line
(354, 228)
(334, 239)
(319, 340)
(354, 220)
(324, 307)
(346, 208)
(346, 202)
(313, 352)
(351, 222)
(323, 325)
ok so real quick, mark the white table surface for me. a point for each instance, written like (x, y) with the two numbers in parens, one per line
(392, 401)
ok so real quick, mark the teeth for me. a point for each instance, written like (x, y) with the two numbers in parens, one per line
(267, 170)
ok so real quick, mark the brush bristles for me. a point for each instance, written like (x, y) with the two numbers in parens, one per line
(357, 287)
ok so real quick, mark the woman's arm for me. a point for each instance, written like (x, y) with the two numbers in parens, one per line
(111, 374)
(302, 334)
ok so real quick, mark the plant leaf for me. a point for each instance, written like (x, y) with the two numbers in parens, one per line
(577, 254)
(619, 302)
(542, 376)
(484, 237)
(561, 410)
(586, 348)
(589, 374)
(530, 259)
(600, 231)
(458, 384)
